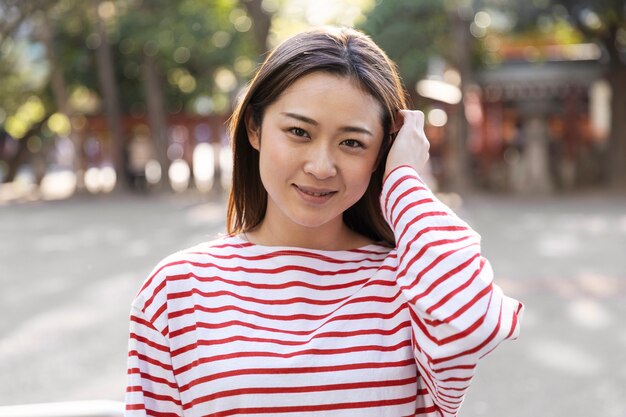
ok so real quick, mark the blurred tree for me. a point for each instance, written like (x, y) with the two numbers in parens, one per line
(604, 21)
(39, 24)
(25, 104)
(411, 33)
(189, 55)
(261, 23)
(416, 35)
(167, 57)
(109, 90)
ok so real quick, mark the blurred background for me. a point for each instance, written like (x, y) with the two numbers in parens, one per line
(114, 153)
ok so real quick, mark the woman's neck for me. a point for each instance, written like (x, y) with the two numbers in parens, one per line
(328, 237)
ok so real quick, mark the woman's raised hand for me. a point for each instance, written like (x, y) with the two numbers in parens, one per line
(410, 146)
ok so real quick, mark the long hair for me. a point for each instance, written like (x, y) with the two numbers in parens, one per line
(345, 52)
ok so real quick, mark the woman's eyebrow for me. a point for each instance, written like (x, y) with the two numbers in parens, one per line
(308, 120)
(301, 118)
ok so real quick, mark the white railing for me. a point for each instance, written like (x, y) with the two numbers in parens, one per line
(65, 409)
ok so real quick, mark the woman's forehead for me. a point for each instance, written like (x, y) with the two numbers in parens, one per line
(326, 93)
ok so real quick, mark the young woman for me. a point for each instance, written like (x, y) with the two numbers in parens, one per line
(344, 287)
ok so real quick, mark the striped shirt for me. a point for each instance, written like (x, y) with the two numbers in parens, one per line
(232, 328)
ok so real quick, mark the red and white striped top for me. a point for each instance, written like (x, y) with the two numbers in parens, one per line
(230, 328)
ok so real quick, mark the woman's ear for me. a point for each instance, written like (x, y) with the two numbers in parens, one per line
(253, 131)
(398, 121)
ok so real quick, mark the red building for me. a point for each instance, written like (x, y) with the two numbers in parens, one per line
(538, 122)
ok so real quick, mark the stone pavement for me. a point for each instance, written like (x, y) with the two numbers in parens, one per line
(69, 269)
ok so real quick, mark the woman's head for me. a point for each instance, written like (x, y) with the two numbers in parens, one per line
(342, 52)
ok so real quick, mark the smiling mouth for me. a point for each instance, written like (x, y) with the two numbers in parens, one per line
(315, 193)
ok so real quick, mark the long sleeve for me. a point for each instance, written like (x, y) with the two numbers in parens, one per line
(151, 389)
(458, 315)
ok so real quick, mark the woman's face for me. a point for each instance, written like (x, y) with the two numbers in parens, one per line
(318, 146)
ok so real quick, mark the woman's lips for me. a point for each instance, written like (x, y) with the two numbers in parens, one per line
(314, 195)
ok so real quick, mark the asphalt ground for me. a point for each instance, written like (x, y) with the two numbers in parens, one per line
(69, 270)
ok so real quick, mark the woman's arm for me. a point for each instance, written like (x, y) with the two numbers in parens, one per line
(151, 389)
(458, 314)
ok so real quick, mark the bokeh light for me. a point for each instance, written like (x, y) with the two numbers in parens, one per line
(60, 124)
(100, 179)
(437, 117)
(179, 175)
(153, 172)
(203, 166)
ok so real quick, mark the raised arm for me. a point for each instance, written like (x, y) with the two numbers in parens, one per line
(458, 314)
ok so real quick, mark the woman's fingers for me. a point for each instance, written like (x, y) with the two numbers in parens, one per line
(411, 145)
(413, 117)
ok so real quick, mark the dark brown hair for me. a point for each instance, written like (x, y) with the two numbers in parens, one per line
(344, 52)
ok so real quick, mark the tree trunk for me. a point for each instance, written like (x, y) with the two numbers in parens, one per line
(262, 21)
(57, 79)
(59, 91)
(22, 151)
(456, 158)
(108, 87)
(156, 115)
(15, 162)
(617, 78)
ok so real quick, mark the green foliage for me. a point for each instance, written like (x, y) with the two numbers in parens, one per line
(410, 33)
(189, 40)
(19, 77)
(564, 22)
(600, 20)
(203, 48)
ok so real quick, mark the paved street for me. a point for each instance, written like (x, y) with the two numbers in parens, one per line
(69, 269)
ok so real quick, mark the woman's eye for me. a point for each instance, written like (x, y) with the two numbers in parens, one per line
(298, 132)
(352, 143)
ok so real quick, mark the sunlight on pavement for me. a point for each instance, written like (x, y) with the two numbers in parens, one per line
(139, 248)
(46, 329)
(559, 245)
(622, 338)
(101, 408)
(587, 284)
(80, 239)
(90, 308)
(513, 287)
(565, 357)
(209, 213)
(588, 224)
(480, 408)
(531, 221)
(562, 287)
(54, 243)
(595, 225)
(601, 285)
(590, 314)
(39, 347)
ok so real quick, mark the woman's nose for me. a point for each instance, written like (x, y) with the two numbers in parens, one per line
(320, 163)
